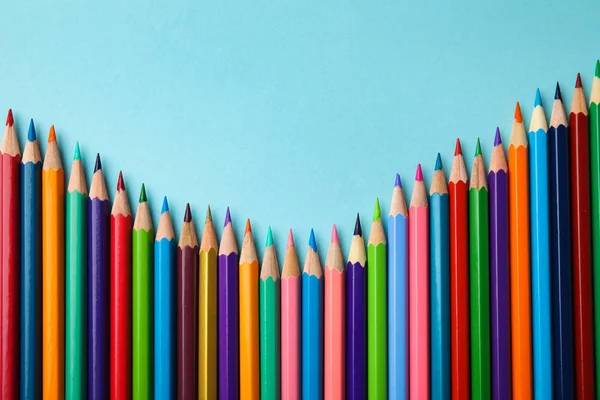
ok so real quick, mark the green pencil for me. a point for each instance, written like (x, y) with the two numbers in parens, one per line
(143, 244)
(480, 280)
(595, 189)
(76, 282)
(376, 309)
(269, 323)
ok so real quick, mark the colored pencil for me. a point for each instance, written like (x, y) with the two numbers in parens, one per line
(98, 286)
(312, 323)
(187, 311)
(207, 312)
(518, 181)
(459, 276)
(560, 225)
(229, 372)
(76, 282)
(10, 235)
(585, 153)
(499, 272)
(582, 269)
(121, 223)
(397, 328)
(290, 323)
(376, 309)
(479, 279)
(540, 251)
(141, 310)
(439, 271)
(249, 341)
(334, 380)
(53, 263)
(418, 271)
(165, 320)
(31, 268)
(356, 317)
(269, 323)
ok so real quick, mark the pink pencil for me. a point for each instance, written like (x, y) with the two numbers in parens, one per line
(418, 292)
(335, 322)
(290, 324)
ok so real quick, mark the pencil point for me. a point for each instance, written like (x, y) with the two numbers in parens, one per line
(187, 217)
(557, 93)
(518, 115)
(9, 118)
(208, 215)
(377, 212)
(398, 182)
(269, 241)
(357, 227)
(578, 81)
(497, 138)
(120, 182)
(98, 165)
(312, 241)
(419, 174)
(290, 242)
(143, 198)
(538, 98)
(334, 235)
(52, 135)
(457, 148)
(31, 136)
(77, 153)
(478, 148)
(165, 206)
(597, 72)
(227, 218)
(248, 227)
(438, 162)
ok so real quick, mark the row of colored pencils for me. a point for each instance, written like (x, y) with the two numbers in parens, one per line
(488, 287)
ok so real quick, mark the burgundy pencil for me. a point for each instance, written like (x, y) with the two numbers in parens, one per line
(187, 309)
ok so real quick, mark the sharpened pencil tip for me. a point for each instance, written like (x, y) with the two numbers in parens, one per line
(312, 242)
(518, 115)
(269, 241)
(227, 218)
(98, 165)
(208, 215)
(248, 227)
(120, 182)
(419, 174)
(334, 235)
(438, 162)
(187, 217)
(165, 206)
(290, 241)
(398, 181)
(31, 136)
(497, 138)
(538, 98)
(557, 93)
(457, 148)
(377, 211)
(143, 197)
(357, 227)
(52, 135)
(9, 118)
(478, 148)
(578, 81)
(77, 152)
(597, 72)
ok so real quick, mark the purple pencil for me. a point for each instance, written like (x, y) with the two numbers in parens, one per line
(98, 290)
(356, 292)
(499, 274)
(187, 309)
(228, 313)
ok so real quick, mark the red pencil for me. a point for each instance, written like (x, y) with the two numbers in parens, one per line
(121, 224)
(11, 179)
(459, 276)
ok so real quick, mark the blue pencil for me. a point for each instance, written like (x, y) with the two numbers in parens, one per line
(164, 306)
(312, 324)
(439, 228)
(397, 234)
(560, 222)
(31, 268)
(540, 252)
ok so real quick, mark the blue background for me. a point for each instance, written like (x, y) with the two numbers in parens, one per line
(296, 114)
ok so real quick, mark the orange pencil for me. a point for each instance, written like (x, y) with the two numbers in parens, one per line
(520, 280)
(53, 276)
(249, 340)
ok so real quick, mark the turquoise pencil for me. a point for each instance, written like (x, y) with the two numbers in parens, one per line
(397, 233)
(540, 252)
(164, 307)
(312, 324)
(439, 292)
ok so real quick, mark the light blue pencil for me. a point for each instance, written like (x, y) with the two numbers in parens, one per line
(164, 307)
(398, 295)
(439, 227)
(312, 324)
(540, 252)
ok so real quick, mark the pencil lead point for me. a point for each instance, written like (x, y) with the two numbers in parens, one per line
(77, 152)
(419, 174)
(290, 241)
(597, 72)
(120, 182)
(478, 148)
(227, 218)
(398, 182)
(312, 242)
(165, 206)
(438, 162)
(377, 211)
(143, 197)
(538, 98)
(357, 227)
(187, 217)
(518, 115)
(98, 165)
(9, 118)
(31, 136)
(497, 138)
(52, 135)
(269, 241)
(578, 81)
(248, 227)
(557, 93)
(208, 215)
(457, 148)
